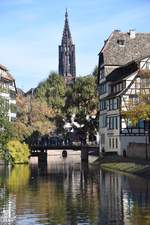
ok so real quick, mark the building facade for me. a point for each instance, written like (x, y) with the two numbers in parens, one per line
(8, 91)
(67, 63)
(123, 60)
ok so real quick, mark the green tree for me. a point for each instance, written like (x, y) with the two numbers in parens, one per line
(53, 91)
(83, 96)
(17, 152)
(5, 127)
(82, 100)
(140, 110)
(95, 73)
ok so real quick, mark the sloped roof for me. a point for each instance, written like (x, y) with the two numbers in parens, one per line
(123, 71)
(3, 67)
(6, 75)
(133, 48)
(31, 91)
(20, 91)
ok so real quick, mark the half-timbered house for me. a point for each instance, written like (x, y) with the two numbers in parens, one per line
(123, 60)
(8, 92)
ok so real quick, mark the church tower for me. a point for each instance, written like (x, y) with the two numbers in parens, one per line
(67, 65)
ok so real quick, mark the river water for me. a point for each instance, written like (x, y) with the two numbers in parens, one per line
(67, 193)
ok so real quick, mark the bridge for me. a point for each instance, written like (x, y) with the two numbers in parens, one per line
(41, 150)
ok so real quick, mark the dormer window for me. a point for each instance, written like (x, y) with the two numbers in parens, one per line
(120, 42)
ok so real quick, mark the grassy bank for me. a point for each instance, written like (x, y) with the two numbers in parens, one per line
(128, 167)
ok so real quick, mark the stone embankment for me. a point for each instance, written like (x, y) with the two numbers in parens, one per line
(127, 165)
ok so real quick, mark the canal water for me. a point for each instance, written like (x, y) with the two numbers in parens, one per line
(66, 192)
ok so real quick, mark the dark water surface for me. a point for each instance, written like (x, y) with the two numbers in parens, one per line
(64, 193)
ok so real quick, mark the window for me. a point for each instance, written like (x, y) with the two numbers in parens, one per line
(133, 98)
(113, 104)
(103, 139)
(118, 87)
(110, 104)
(116, 142)
(101, 75)
(118, 103)
(116, 122)
(145, 83)
(103, 121)
(13, 108)
(112, 122)
(113, 143)
(129, 123)
(103, 88)
(12, 94)
(102, 105)
(120, 42)
(147, 65)
(13, 119)
(124, 84)
(109, 142)
(141, 124)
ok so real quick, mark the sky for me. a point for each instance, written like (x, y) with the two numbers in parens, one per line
(31, 30)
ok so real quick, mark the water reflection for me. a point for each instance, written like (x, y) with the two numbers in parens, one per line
(70, 194)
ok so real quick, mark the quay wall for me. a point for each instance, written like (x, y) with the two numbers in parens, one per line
(138, 150)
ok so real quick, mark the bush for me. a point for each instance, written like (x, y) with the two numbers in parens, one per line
(18, 152)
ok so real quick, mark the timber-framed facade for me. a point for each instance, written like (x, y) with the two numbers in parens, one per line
(121, 81)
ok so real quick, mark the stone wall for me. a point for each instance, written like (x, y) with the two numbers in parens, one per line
(138, 150)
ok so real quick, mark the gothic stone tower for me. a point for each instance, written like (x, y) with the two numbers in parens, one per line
(67, 65)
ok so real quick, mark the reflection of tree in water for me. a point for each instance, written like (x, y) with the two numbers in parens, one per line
(60, 195)
(18, 179)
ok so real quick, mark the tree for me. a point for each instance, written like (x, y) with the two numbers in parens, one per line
(18, 152)
(84, 95)
(139, 110)
(95, 73)
(33, 115)
(82, 100)
(52, 91)
(5, 126)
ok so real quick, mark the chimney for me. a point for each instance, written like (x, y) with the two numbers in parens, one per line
(132, 34)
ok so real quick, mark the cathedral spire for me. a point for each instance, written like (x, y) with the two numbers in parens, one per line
(67, 66)
(66, 14)
(66, 38)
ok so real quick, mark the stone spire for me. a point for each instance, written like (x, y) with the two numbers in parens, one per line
(67, 66)
(66, 38)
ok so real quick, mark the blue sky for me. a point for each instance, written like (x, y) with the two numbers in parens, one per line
(31, 30)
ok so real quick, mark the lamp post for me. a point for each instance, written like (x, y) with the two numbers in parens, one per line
(146, 142)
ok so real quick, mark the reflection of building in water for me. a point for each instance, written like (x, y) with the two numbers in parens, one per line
(111, 205)
(8, 210)
(136, 199)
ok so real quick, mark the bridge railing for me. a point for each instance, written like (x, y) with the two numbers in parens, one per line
(38, 149)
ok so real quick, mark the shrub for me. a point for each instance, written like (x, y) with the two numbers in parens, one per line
(18, 152)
